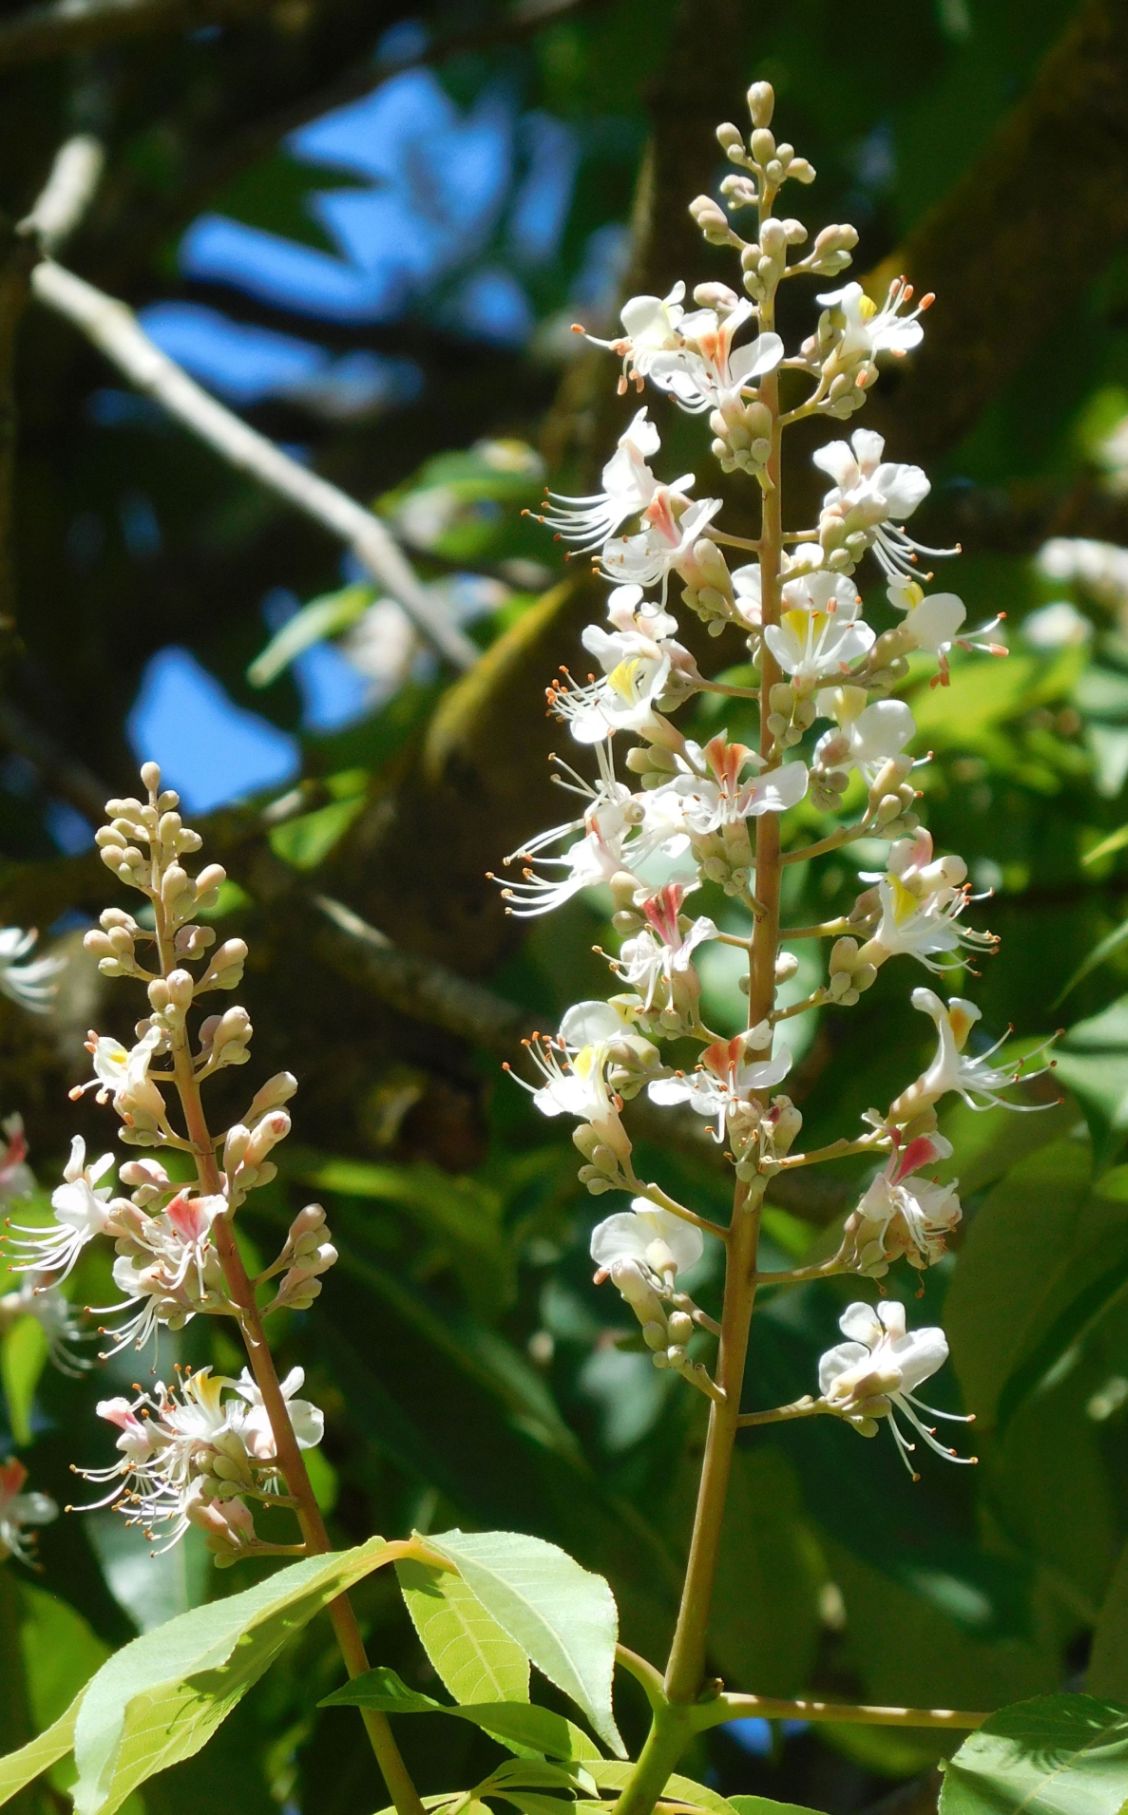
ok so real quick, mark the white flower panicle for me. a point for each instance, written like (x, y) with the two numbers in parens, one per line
(687, 832)
(202, 1452)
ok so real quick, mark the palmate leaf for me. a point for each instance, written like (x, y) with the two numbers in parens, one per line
(1055, 1755)
(160, 1698)
(1042, 1262)
(562, 1615)
(472, 1656)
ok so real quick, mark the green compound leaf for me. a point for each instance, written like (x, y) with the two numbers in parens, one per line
(161, 1698)
(472, 1656)
(562, 1616)
(1055, 1755)
(518, 1725)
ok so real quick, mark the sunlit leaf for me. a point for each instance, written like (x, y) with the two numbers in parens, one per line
(562, 1615)
(161, 1698)
(471, 1654)
(1055, 1755)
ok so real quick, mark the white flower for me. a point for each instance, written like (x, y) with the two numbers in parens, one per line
(725, 1078)
(641, 662)
(26, 981)
(920, 901)
(46, 1304)
(878, 1369)
(901, 1214)
(671, 528)
(662, 953)
(609, 819)
(122, 1073)
(593, 1039)
(81, 1213)
(708, 791)
(933, 622)
(1101, 568)
(628, 487)
(594, 858)
(1058, 625)
(865, 330)
(655, 1240)
(704, 369)
(18, 1510)
(650, 326)
(871, 735)
(870, 500)
(307, 1419)
(970, 1076)
(166, 1264)
(16, 1176)
(819, 631)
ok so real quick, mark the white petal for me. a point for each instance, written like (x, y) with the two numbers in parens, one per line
(590, 1024)
(757, 358)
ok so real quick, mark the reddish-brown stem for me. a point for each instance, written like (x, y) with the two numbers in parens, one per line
(686, 1667)
(400, 1786)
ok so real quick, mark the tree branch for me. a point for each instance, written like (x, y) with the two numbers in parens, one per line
(1018, 238)
(66, 26)
(115, 330)
(16, 259)
(263, 134)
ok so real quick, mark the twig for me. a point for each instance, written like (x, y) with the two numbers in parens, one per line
(77, 25)
(60, 772)
(359, 80)
(16, 259)
(66, 195)
(115, 330)
(412, 985)
(737, 1707)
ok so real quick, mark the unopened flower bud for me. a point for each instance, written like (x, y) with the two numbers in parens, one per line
(193, 941)
(711, 219)
(270, 1130)
(181, 987)
(208, 884)
(761, 103)
(225, 971)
